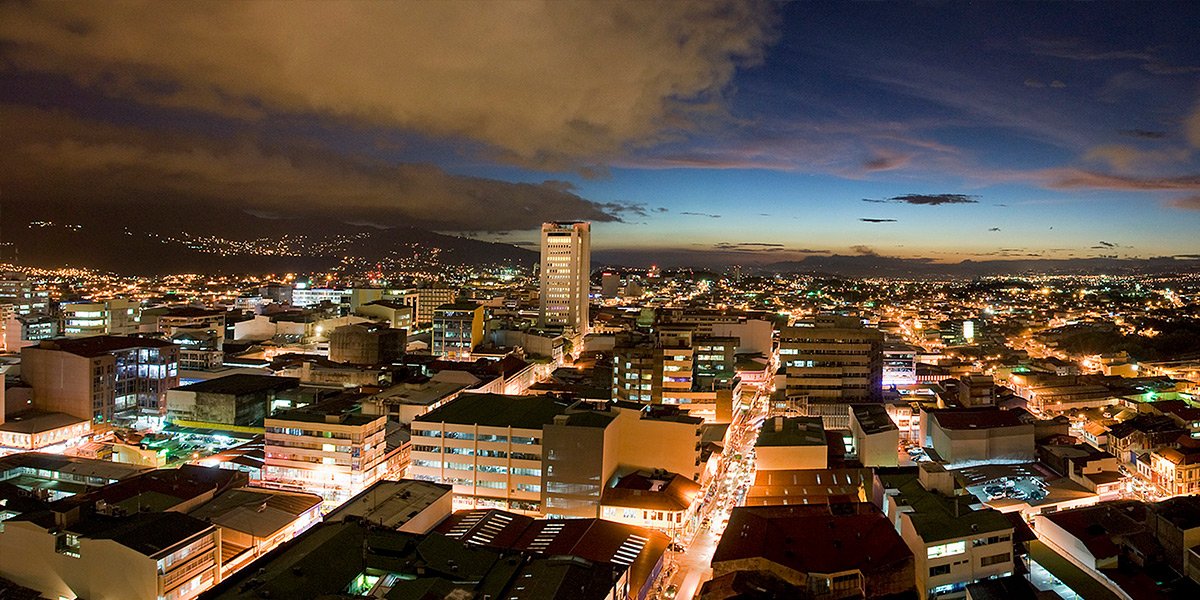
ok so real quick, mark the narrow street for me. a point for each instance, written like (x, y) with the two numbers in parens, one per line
(726, 489)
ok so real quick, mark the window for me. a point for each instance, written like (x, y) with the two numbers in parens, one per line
(947, 549)
(939, 570)
(67, 543)
(988, 561)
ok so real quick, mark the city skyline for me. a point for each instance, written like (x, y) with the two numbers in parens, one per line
(712, 132)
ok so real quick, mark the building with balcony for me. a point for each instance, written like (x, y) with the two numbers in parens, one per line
(138, 556)
(328, 448)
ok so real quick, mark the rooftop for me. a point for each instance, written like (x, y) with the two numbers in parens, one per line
(652, 491)
(975, 418)
(37, 421)
(495, 410)
(338, 410)
(84, 467)
(936, 516)
(872, 418)
(241, 384)
(792, 431)
(257, 511)
(813, 539)
(100, 345)
(390, 503)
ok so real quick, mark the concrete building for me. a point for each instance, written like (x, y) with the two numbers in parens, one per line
(169, 321)
(953, 543)
(830, 363)
(57, 476)
(965, 435)
(255, 521)
(542, 455)
(23, 295)
(457, 329)
(488, 447)
(27, 330)
(407, 505)
(304, 296)
(637, 369)
(326, 448)
(406, 401)
(851, 553)
(899, 364)
(876, 437)
(112, 317)
(976, 389)
(653, 499)
(38, 431)
(99, 378)
(591, 444)
(786, 443)
(141, 556)
(367, 344)
(565, 275)
(393, 312)
(610, 285)
(236, 402)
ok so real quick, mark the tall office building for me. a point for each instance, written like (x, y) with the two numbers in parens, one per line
(565, 274)
(832, 362)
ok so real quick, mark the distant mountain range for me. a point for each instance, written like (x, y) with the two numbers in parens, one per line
(872, 265)
(260, 245)
(155, 239)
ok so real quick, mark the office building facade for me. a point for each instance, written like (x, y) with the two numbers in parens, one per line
(565, 275)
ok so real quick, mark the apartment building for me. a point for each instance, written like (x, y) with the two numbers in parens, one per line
(138, 556)
(111, 317)
(457, 329)
(543, 455)
(328, 448)
(102, 377)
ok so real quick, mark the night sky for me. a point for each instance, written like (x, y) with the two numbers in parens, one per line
(757, 132)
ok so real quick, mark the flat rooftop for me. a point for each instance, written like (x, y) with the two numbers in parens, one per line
(938, 517)
(36, 421)
(240, 384)
(99, 345)
(390, 503)
(496, 410)
(792, 431)
(872, 418)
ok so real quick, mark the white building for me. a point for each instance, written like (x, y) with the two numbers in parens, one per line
(565, 271)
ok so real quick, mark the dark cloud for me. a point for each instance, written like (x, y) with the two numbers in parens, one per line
(994, 229)
(866, 220)
(887, 161)
(665, 66)
(1144, 134)
(1105, 244)
(927, 199)
(700, 214)
(55, 159)
(750, 247)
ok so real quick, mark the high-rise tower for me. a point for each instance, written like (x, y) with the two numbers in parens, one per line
(565, 274)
